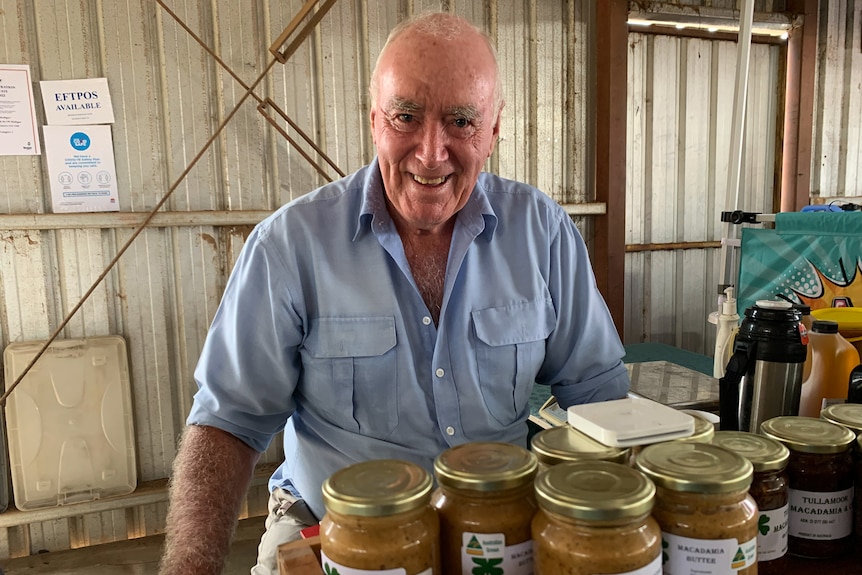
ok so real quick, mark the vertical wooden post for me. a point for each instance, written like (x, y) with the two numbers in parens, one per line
(799, 109)
(611, 79)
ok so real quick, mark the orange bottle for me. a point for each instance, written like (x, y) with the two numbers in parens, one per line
(832, 360)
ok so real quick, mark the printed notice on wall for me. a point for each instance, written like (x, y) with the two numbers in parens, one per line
(77, 102)
(18, 135)
(81, 168)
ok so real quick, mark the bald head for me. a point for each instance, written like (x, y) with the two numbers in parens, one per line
(445, 32)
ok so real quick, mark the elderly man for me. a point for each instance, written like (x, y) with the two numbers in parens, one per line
(408, 308)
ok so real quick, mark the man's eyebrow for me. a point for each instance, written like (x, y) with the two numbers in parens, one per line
(402, 105)
(469, 112)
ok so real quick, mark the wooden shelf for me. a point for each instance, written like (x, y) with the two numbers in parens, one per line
(300, 557)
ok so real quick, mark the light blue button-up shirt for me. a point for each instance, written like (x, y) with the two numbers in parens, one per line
(322, 331)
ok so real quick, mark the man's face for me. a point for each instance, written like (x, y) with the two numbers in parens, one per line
(434, 124)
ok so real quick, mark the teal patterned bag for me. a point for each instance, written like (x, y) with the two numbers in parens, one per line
(812, 258)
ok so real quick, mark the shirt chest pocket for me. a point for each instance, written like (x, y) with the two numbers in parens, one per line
(509, 353)
(349, 373)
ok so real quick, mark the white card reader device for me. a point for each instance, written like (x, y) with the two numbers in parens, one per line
(630, 421)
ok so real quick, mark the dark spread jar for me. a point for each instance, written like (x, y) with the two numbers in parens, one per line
(850, 416)
(707, 518)
(857, 513)
(565, 443)
(594, 517)
(379, 519)
(769, 489)
(820, 472)
(485, 501)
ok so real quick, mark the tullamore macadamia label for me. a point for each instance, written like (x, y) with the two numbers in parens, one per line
(821, 515)
(687, 556)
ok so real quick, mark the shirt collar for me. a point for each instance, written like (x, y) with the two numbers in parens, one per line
(477, 215)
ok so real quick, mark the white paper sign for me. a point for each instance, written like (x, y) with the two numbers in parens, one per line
(18, 135)
(81, 168)
(77, 102)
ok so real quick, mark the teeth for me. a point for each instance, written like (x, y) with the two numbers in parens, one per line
(430, 182)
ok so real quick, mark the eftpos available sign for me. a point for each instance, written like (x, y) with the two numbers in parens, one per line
(77, 102)
(81, 168)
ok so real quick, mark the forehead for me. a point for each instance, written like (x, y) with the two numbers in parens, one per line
(426, 69)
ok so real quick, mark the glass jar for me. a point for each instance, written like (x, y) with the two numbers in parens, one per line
(565, 443)
(702, 505)
(378, 518)
(857, 509)
(850, 416)
(847, 414)
(704, 429)
(821, 483)
(769, 489)
(485, 501)
(594, 517)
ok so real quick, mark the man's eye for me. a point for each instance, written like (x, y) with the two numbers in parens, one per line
(405, 118)
(461, 122)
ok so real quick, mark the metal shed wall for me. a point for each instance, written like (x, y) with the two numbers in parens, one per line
(836, 163)
(681, 93)
(169, 97)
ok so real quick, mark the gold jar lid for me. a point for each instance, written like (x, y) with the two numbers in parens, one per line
(808, 434)
(847, 414)
(764, 453)
(377, 488)
(704, 430)
(695, 467)
(485, 466)
(595, 491)
(565, 443)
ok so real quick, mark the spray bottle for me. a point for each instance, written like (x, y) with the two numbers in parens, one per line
(728, 322)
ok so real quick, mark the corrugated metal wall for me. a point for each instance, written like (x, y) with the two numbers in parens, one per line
(836, 163)
(169, 97)
(681, 94)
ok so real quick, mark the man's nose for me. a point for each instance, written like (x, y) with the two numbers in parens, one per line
(432, 149)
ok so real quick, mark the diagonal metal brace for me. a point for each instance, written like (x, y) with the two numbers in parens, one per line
(268, 103)
(284, 55)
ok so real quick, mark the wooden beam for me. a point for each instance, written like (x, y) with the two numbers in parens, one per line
(799, 108)
(611, 42)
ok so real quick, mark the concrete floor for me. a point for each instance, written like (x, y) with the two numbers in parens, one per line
(134, 557)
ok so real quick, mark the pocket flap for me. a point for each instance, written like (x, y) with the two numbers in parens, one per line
(350, 336)
(517, 323)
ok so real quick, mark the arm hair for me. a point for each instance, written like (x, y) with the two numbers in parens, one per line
(211, 474)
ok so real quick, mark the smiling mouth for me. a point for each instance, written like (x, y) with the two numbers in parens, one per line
(430, 181)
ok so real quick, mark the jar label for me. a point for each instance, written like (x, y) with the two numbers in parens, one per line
(688, 556)
(331, 567)
(823, 515)
(772, 533)
(488, 553)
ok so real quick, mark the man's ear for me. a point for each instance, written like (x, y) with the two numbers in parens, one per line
(372, 117)
(495, 131)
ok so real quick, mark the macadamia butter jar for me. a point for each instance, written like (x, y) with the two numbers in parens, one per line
(707, 518)
(769, 489)
(379, 519)
(821, 483)
(594, 517)
(486, 503)
(565, 443)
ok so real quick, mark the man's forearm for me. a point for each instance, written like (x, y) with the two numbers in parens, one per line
(210, 477)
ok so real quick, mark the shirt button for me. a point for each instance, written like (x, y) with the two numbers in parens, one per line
(440, 372)
(426, 320)
(450, 430)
